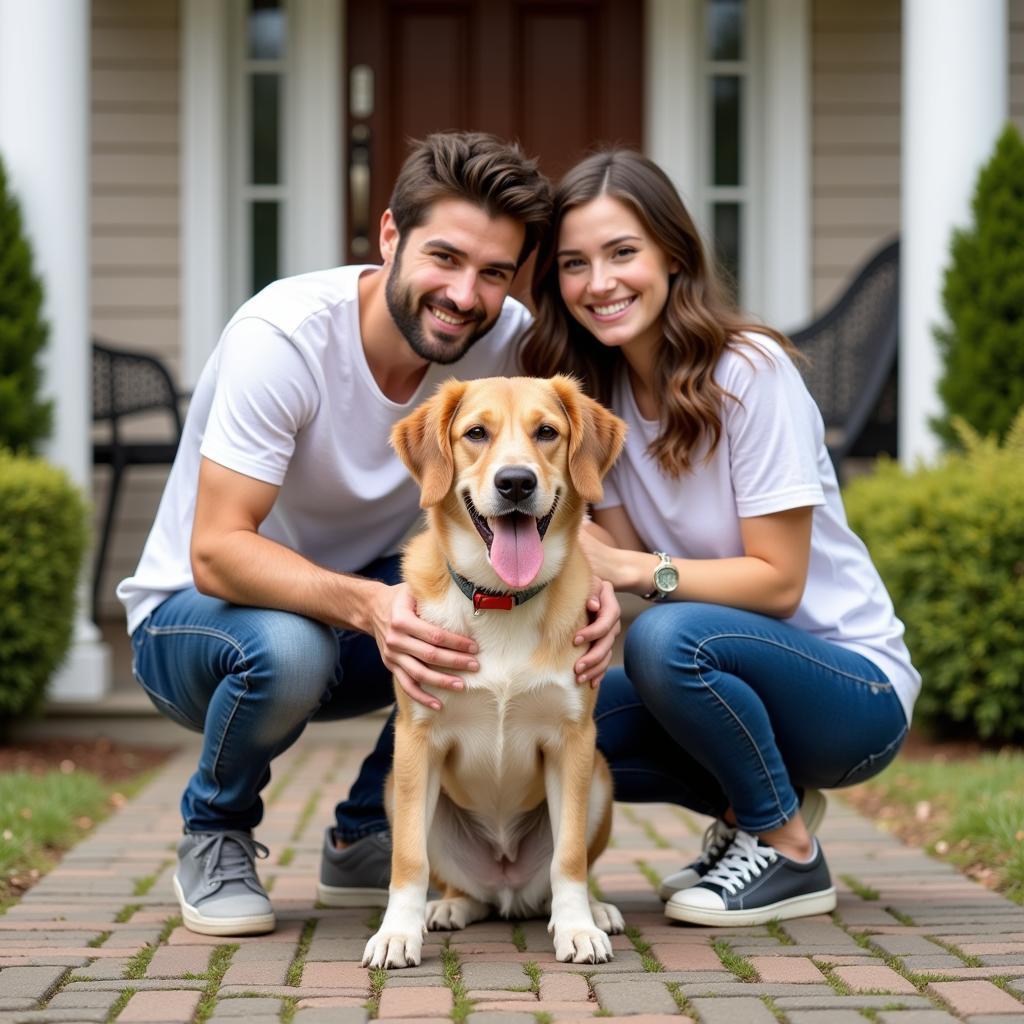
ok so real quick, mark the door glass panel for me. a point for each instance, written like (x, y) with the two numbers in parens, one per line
(266, 128)
(725, 30)
(264, 233)
(727, 228)
(726, 119)
(266, 29)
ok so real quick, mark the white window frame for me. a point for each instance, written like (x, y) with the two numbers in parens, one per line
(777, 241)
(215, 257)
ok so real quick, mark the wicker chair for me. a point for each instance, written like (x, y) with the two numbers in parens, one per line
(126, 384)
(851, 368)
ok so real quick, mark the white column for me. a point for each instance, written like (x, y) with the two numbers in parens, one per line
(955, 86)
(44, 136)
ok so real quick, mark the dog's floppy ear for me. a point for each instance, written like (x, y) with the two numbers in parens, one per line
(423, 444)
(595, 437)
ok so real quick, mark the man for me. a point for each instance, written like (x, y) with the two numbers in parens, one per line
(268, 591)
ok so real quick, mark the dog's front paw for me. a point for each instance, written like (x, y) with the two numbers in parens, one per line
(582, 944)
(607, 917)
(391, 948)
(454, 914)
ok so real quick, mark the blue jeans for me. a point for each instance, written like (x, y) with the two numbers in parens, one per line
(718, 707)
(249, 679)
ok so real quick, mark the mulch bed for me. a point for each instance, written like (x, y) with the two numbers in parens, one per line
(112, 762)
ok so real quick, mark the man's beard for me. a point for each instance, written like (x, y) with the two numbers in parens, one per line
(406, 314)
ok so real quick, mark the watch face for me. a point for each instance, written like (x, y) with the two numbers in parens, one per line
(666, 577)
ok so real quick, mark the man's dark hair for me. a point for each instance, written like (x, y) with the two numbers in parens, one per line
(479, 168)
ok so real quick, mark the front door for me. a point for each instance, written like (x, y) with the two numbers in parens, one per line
(561, 76)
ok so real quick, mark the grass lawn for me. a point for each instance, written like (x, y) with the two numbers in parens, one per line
(52, 793)
(969, 812)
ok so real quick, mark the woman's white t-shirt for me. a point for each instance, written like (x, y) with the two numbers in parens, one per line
(288, 398)
(771, 457)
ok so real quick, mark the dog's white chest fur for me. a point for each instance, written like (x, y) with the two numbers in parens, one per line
(511, 708)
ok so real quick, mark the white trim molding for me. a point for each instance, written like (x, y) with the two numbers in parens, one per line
(785, 192)
(204, 181)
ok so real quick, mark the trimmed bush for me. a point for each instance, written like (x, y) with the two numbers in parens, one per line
(42, 541)
(949, 542)
(24, 419)
(983, 295)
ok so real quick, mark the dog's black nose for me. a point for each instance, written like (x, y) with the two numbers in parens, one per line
(515, 482)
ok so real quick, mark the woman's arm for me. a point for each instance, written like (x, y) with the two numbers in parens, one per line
(768, 578)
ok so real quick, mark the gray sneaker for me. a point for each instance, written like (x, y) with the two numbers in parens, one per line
(217, 887)
(358, 875)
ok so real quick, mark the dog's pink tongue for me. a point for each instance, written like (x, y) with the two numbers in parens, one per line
(516, 552)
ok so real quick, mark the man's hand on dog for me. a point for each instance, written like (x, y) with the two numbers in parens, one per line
(600, 633)
(417, 652)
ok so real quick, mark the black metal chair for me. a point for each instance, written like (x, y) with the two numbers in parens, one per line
(126, 384)
(851, 368)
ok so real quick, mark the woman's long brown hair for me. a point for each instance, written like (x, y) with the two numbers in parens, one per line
(699, 323)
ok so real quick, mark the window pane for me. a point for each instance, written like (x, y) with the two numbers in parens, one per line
(264, 244)
(727, 219)
(725, 29)
(267, 27)
(725, 126)
(265, 94)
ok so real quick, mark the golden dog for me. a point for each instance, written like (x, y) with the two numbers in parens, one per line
(501, 797)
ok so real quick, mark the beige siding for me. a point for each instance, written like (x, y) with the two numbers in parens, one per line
(855, 136)
(1017, 63)
(135, 255)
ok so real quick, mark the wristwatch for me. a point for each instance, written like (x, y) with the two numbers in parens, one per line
(666, 578)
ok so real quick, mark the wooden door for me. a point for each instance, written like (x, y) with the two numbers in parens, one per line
(561, 76)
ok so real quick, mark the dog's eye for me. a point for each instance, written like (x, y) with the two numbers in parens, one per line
(476, 434)
(546, 433)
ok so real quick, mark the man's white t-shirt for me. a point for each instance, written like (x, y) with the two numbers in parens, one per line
(771, 457)
(287, 398)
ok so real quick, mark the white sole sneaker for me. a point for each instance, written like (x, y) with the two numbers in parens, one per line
(350, 896)
(195, 921)
(823, 902)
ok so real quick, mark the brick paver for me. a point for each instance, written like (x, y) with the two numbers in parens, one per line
(76, 942)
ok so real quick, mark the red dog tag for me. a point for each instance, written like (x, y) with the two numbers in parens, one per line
(492, 602)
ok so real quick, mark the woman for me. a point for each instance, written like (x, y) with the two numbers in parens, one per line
(772, 662)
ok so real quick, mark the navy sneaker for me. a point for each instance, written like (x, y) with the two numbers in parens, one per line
(753, 884)
(718, 838)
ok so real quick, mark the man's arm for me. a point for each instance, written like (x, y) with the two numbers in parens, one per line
(230, 560)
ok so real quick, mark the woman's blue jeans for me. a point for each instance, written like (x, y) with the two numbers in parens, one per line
(718, 707)
(250, 679)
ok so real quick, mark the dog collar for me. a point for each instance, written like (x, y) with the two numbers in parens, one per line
(492, 600)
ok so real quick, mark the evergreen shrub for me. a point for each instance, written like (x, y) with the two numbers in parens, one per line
(948, 541)
(43, 536)
(983, 295)
(24, 419)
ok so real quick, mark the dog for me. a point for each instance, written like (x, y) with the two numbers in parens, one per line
(501, 797)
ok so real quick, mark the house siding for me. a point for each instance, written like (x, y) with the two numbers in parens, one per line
(135, 233)
(855, 137)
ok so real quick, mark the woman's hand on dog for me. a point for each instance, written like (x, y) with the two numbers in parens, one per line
(600, 633)
(417, 652)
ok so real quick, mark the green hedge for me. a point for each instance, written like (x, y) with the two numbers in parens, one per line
(949, 542)
(42, 542)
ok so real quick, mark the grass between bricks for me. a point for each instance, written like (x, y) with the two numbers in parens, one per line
(519, 938)
(773, 1009)
(295, 968)
(865, 892)
(144, 884)
(124, 915)
(595, 888)
(99, 940)
(968, 958)
(675, 990)
(220, 960)
(378, 979)
(453, 979)
(119, 1004)
(532, 969)
(307, 812)
(649, 873)
(739, 965)
(778, 933)
(542, 1017)
(650, 962)
(287, 856)
(139, 963)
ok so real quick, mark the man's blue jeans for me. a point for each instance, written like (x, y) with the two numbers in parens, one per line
(249, 679)
(719, 707)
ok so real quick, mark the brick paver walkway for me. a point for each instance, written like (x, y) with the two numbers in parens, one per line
(99, 938)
